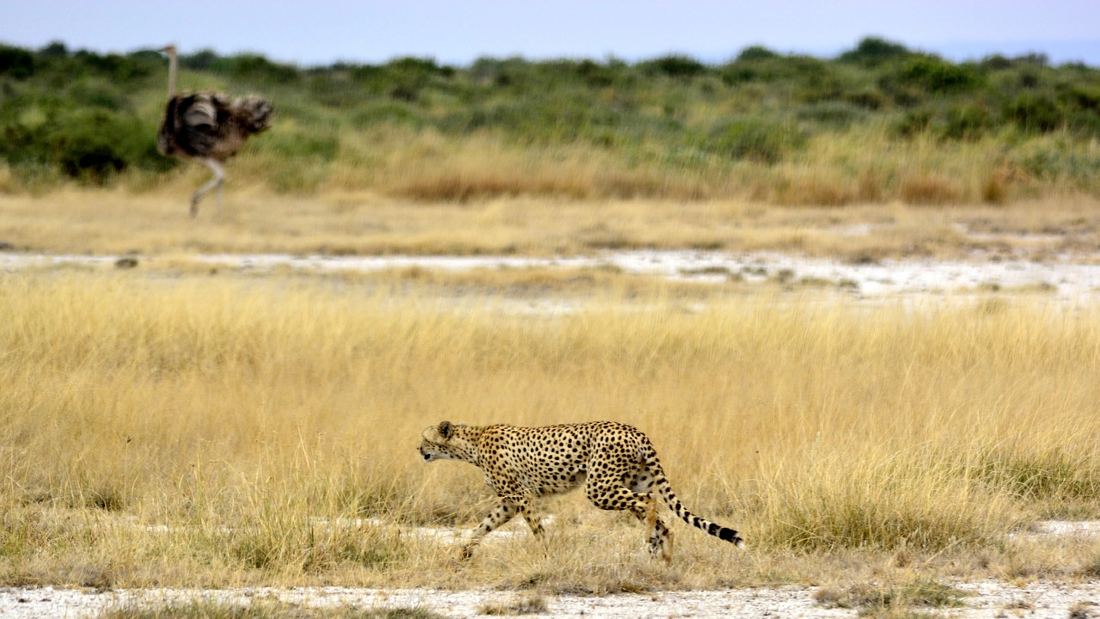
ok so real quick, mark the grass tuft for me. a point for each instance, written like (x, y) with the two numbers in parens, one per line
(523, 605)
(880, 600)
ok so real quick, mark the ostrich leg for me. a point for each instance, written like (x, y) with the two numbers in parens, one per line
(219, 178)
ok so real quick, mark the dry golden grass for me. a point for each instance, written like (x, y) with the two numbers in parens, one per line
(340, 222)
(193, 431)
(863, 165)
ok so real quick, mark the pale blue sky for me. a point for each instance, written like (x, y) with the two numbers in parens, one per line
(458, 31)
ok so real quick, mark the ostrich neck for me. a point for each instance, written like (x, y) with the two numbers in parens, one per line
(171, 74)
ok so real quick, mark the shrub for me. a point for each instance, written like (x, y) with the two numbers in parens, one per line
(967, 122)
(89, 145)
(301, 145)
(1059, 160)
(201, 60)
(936, 75)
(833, 114)
(116, 67)
(873, 51)
(595, 74)
(1084, 96)
(390, 112)
(15, 62)
(256, 68)
(674, 66)
(756, 140)
(867, 98)
(756, 52)
(54, 49)
(996, 62)
(912, 123)
(1034, 113)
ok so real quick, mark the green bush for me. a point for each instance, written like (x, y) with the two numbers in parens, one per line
(1084, 122)
(15, 62)
(674, 66)
(756, 52)
(832, 114)
(296, 145)
(91, 145)
(936, 76)
(116, 67)
(387, 113)
(255, 68)
(803, 71)
(967, 122)
(756, 140)
(1058, 159)
(873, 51)
(1034, 113)
(912, 123)
(595, 74)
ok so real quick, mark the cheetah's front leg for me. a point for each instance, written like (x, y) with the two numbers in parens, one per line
(499, 516)
(533, 518)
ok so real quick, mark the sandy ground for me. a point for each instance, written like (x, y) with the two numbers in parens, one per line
(1074, 277)
(985, 599)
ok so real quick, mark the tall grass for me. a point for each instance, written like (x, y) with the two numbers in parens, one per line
(237, 414)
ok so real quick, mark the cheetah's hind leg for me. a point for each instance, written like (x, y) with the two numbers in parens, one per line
(643, 507)
(660, 536)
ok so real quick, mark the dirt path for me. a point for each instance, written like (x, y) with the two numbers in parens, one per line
(987, 599)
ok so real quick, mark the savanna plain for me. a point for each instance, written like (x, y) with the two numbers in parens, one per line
(189, 435)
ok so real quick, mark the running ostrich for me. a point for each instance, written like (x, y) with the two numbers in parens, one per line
(209, 127)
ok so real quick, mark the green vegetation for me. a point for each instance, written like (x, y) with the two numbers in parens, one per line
(666, 127)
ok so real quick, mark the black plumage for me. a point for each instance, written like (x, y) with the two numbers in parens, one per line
(211, 124)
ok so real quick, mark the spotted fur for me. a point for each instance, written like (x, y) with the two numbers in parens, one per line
(615, 462)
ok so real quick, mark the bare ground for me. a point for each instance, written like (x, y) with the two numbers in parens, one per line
(984, 599)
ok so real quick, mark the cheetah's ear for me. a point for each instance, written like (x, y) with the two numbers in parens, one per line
(445, 429)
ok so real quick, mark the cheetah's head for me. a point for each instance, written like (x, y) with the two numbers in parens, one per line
(444, 442)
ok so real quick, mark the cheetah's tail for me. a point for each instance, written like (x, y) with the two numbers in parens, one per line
(674, 504)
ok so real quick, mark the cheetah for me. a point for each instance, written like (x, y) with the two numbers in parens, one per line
(616, 463)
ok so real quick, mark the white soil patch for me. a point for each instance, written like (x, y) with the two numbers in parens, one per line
(1061, 528)
(891, 277)
(1035, 600)
(1072, 278)
(986, 599)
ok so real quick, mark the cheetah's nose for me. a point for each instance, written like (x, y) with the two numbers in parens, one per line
(427, 457)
